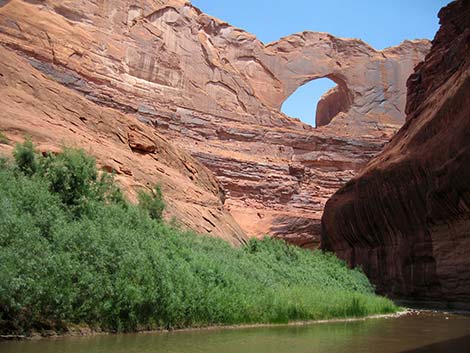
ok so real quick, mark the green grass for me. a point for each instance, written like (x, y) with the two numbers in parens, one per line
(73, 251)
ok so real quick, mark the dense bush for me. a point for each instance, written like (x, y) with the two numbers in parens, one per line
(73, 251)
(152, 202)
(3, 138)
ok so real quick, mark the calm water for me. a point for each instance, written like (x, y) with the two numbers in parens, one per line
(424, 333)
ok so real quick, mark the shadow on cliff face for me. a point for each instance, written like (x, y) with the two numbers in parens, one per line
(456, 345)
(396, 237)
(405, 219)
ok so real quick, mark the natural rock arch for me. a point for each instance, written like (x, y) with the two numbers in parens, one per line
(369, 81)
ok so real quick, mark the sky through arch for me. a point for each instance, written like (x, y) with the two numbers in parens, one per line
(302, 103)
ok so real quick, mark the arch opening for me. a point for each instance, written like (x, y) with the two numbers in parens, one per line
(318, 101)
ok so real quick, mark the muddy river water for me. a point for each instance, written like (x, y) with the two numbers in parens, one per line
(416, 333)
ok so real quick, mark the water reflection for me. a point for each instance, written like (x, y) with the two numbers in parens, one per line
(456, 345)
(411, 334)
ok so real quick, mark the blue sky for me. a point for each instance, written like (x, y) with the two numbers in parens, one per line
(380, 23)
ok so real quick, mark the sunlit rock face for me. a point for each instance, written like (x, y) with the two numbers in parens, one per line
(215, 91)
(336, 100)
(54, 116)
(406, 218)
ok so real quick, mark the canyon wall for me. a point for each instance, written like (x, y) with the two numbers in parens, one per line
(215, 91)
(406, 218)
(55, 116)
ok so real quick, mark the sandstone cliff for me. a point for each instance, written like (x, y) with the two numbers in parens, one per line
(215, 91)
(54, 116)
(406, 218)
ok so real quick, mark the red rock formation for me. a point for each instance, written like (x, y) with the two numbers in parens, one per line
(54, 116)
(336, 100)
(215, 91)
(406, 218)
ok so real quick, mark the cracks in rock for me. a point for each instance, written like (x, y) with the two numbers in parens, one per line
(51, 45)
(152, 29)
(226, 87)
(71, 15)
(262, 65)
(76, 53)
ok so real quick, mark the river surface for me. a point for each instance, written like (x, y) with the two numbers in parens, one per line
(418, 333)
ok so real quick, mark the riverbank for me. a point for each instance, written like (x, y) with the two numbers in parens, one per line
(85, 331)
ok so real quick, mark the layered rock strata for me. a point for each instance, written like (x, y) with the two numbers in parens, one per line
(215, 91)
(406, 218)
(55, 116)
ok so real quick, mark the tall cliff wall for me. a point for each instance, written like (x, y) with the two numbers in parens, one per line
(215, 91)
(55, 116)
(406, 218)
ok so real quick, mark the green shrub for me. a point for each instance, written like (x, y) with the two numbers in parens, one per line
(25, 158)
(114, 267)
(3, 139)
(152, 203)
(71, 175)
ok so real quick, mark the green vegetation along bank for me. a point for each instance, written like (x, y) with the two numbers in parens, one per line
(74, 251)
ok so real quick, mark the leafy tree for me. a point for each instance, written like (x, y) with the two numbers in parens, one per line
(152, 203)
(25, 158)
(71, 174)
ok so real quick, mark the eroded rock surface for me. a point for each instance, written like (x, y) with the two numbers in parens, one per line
(406, 218)
(55, 116)
(215, 91)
